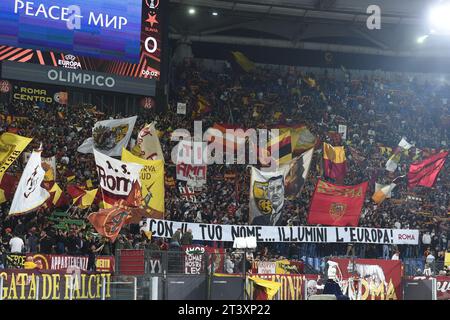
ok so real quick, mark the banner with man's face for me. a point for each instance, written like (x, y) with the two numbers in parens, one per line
(266, 197)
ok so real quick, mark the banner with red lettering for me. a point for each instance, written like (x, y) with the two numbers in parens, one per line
(117, 179)
(57, 262)
(443, 287)
(194, 175)
(371, 279)
(337, 205)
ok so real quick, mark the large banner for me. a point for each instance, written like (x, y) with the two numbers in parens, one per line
(194, 175)
(11, 146)
(54, 285)
(266, 197)
(195, 261)
(58, 262)
(116, 178)
(337, 205)
(152, 183)
(375, 279)
(218, 232)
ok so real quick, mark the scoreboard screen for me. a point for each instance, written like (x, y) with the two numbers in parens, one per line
(121, 37)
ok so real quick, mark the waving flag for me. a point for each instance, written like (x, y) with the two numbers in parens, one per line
(152, 184)
(147, 145)
(264, 289)
(117, 179)
(11, 146)
(394, 160)
(335, 162)
(109, 222)
(382, 192)
(297, 173)
(302, 139)
(246, 64)
(109, 136)
(337, 205)
(425, 173)
(8, 184)
(278, 149)
(29, 194)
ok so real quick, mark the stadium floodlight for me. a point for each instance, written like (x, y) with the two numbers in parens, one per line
(191, 11)
(438, 18)
(422, 39)
(215, 13)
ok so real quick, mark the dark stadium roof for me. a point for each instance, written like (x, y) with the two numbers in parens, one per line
(337, 26)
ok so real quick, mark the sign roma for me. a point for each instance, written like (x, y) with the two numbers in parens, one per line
(372, 279)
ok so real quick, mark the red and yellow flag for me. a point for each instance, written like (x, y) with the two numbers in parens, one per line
(335, 205)
(109, 222)
(335, 162)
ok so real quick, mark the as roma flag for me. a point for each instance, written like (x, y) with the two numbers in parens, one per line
(425, 173)
(335, 205)
(109, 222)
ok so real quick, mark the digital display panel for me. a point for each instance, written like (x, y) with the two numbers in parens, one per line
(106, 29)
(147, 64)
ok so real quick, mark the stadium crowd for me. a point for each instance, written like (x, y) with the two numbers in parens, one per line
(377, 112)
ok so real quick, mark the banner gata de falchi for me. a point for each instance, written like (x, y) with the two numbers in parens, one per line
(54, 285)
(303, 234)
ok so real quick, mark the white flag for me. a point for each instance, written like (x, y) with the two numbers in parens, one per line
(394, 160)
(181, 108)
(147, 145)
(386, 189)
(404, 144)
(29, 194)
(115, 135)
(342, 129)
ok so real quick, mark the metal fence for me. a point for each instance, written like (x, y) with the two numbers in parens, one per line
(149, 262)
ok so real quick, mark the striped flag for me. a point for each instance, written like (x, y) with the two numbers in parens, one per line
(280, 145)
(382, 192)
(335, 162)
(278, 148)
